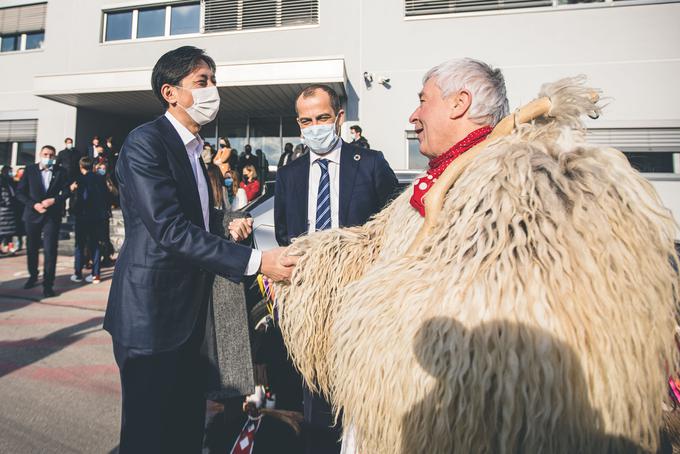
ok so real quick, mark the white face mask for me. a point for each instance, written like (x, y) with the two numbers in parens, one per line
(69, 146)
(206, 104)
(321, 139)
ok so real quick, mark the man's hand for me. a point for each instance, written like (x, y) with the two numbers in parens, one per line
(40, 208)
(240, 228)
(276, 265)
(48, 202)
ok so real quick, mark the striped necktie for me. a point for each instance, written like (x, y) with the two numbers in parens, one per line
(323, 198)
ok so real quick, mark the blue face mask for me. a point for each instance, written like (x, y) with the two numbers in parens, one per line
(47, 162)
(101, 171)
(321, 139)
(228, 182)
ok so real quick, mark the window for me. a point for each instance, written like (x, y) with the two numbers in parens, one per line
(265, 135)
(185, 19)
(22, 27)
(649, 150)
(35, 40)
(429, 7)
(119, 26)
(5, 153)
(416, 161)
(158, 21)
(228, 15)
(10, 43)
(151, 22)
(25, 153)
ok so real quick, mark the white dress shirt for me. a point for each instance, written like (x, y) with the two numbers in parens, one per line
(194, 147)
(46, 176)
(333, 158)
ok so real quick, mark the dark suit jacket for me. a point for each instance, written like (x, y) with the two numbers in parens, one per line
(168, 261)
(31, 191)
(69, 161)
(91, 199)
(366, 185)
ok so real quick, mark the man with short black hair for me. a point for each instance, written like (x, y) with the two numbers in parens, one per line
(92, 148)
(42, 190)
(163, 277)
(68, 158)
(357, 138)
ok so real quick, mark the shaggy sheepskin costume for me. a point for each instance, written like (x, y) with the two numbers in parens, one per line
(537, 317)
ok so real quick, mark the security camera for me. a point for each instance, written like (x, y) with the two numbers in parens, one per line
(383, 80)
(368, 77)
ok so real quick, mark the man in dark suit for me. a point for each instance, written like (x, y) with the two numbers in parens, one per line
(68, 159)
(357, 139)
(43, 190)
(92, 148)
(159, 295)
(335, 185)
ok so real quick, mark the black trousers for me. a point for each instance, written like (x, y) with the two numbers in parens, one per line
(321, 437)
(49, 230)
(163, 398)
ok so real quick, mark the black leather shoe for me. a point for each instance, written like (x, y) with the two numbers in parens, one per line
(48, 292)
(30, 283)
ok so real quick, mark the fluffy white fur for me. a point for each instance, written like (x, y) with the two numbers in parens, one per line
(537, 317)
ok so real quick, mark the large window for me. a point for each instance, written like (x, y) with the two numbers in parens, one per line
(22, 27)
(415, 8)
(5, 153)
(230, 15)
(157, 21)
(25, 153)
(17, 142)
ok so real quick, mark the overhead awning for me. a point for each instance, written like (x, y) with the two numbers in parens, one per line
(246, 89)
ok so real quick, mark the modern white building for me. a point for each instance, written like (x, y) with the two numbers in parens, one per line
(80, 68)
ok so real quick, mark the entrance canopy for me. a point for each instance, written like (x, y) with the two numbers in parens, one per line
(246, 89)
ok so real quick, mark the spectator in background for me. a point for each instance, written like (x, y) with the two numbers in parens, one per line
(91, 149)
(247, 157)
(217, 188)
(90, 207)
(226, 158)
(236, 195)
(250, 182)
(68, 159)
(8, 211)
(357, 138)
(111, 201)
(21, 228)
(207, 154)
(287, 154)
(112, 155)
(300, 150)
(262, 166)
(100, 156)
(43, 190)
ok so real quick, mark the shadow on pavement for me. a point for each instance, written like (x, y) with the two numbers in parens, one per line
(15, 355)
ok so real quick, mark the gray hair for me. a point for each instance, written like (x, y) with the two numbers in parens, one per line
(486, 84)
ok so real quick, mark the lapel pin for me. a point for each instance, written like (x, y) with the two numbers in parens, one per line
(357, 157)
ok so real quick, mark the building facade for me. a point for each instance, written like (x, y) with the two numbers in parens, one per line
(74, 68)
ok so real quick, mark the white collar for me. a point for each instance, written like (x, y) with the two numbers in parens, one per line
(332, 156)
(184, 134)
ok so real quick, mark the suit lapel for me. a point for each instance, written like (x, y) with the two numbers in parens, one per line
(348, 174)
(37, 176)
(300, 193)
(179, 154)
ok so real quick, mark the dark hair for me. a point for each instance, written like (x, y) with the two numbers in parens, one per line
(288, 147)
(357, 128)
(226, 141)
(86, 162)
(5, 169)
(174, 66)
(248, 149)
(99, 146)
(49, 147)
(311, 91)
(109, 139)
(67, 139)
(95, 137)
(216, 183)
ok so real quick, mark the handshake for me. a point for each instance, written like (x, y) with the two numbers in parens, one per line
(276, 264)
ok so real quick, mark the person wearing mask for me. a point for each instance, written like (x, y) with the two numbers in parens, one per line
(335, 185)
(68, 159)
(299, 151)
(357, 138)
(110, 200)
(235, 193)
(8, 211)
(100, 155)
(112, 155)
(250, 183)
(43, 190)
(287, 154)
(157, 307)
(247, 157)
(226, 158)
(90, 208)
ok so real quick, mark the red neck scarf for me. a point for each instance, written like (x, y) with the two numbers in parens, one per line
(440, 163)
